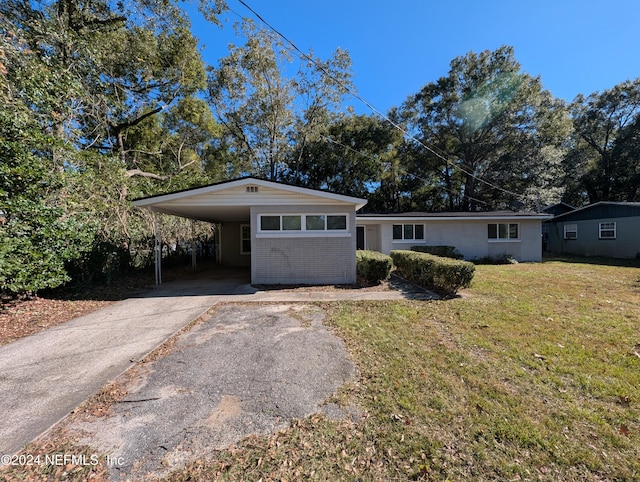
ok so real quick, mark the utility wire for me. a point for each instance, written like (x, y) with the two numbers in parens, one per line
(373, 108)
(415, 176)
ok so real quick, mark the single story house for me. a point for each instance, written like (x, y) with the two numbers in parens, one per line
(608, 229)
(284, 233)
(291, 234)
(475, 234)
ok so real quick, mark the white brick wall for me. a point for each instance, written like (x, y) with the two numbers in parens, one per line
(295, 259)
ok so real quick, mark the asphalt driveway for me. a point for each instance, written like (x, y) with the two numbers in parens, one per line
(45, 376)
(249, 369)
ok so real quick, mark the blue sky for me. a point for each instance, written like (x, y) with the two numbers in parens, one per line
(398, 46)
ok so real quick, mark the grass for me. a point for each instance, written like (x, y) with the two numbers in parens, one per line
(532, 375)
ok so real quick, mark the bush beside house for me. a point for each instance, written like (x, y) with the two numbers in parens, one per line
(373, 266)
(445, 275)
(443, 251)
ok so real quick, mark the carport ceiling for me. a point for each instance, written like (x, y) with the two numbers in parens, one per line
(209, 213)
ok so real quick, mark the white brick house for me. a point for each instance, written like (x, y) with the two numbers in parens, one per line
(290, 234)
(286, 234)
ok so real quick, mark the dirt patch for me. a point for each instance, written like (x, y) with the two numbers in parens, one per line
(247, 370)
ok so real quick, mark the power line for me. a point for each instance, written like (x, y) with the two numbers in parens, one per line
(451, 191)
(373, 108)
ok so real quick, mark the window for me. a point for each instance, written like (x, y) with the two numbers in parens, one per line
(607, 230)
(570, 231)
(302, 223)
(337, 223)
(408, 231)
(291, 223)
(245, 239)
(270, 223)
(504, 231)
(315, 223)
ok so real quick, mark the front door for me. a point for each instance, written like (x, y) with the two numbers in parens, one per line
(360, 237)
(372, 237)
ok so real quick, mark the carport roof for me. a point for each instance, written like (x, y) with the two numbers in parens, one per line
(231, 200)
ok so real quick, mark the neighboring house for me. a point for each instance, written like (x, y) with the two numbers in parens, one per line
(558, 209)
(555, 210)
(608, 229)
(475, 234)
(286, 234)
(291, 234)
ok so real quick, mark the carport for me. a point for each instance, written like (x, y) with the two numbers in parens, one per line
(284, 233)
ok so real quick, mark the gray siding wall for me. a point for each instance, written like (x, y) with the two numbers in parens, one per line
(296, 259)
(626, 244)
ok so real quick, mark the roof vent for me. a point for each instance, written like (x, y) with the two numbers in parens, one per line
(252, 188)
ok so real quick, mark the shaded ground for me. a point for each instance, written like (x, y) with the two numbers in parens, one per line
(250, 369)
(24, 317)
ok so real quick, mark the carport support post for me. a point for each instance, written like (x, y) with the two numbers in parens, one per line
(193, 245)
(157, 248)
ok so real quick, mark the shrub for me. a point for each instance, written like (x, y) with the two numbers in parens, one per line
(504, 258)
(440, 274)
(444, 251)
(373, 266)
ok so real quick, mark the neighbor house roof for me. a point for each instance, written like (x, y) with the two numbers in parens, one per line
(602, 210)
(558, 208)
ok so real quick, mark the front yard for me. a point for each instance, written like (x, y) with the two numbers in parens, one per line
(532, 374)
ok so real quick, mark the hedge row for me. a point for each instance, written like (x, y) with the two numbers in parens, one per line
(373, 266)
(445, 275)
(444, 251)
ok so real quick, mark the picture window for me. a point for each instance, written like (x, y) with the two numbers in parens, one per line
(408, 232)
(503, 231)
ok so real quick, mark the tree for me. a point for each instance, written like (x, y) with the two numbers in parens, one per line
(37, 237)
(605, 155)
(268, 117)
(487, 134)
(105, 102)
(349, 156)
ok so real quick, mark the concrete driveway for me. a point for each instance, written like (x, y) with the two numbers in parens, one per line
(45, 376)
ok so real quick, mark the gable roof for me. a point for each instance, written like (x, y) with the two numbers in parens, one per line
(602, 210)
(558, 208)
(231, 200)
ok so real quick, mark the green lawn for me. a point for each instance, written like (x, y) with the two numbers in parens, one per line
(530, 375)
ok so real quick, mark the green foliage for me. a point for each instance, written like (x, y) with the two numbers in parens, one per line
(373, 266)
(269, 117)
(604, 164)
(349, 156)
(445, 275)
(485, 121)
(37, 238)
(504, 258)
(443, 251)
(98, 102)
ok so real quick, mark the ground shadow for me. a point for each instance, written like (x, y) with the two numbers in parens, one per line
(596, 260)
